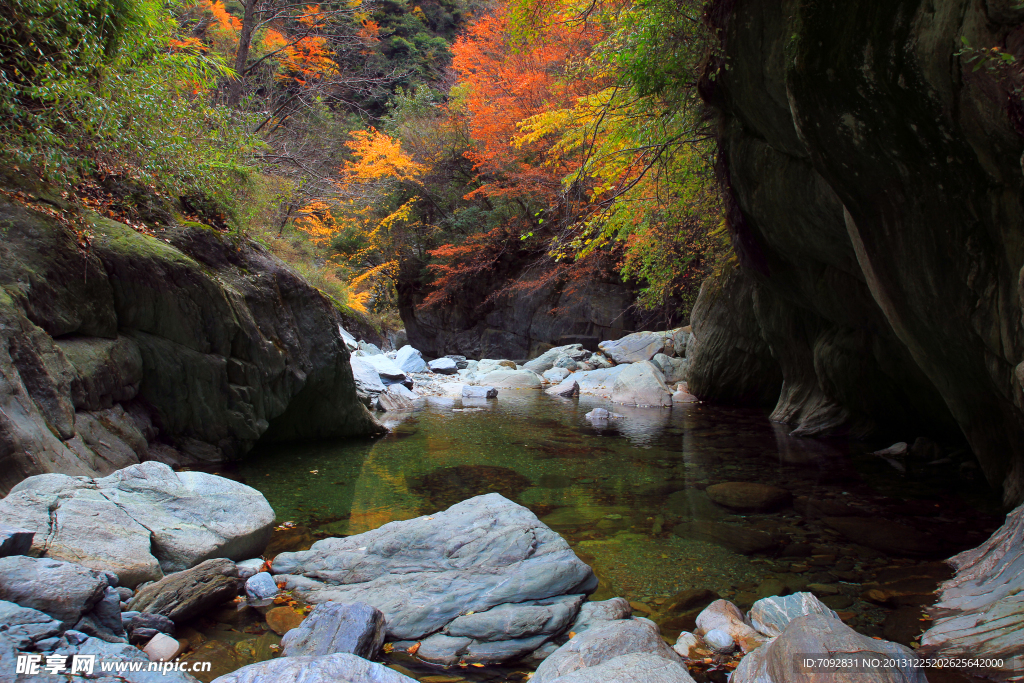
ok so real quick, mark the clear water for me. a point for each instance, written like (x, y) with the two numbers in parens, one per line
(616, 493)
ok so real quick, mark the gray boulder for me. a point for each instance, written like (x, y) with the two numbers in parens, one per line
(366, 377)
(564, 390)
(426, 573)
(603, 642)
(76, 643)
(443, 366)
(674, 369)
(535, 617)
(396, 398)
(592, 613)
(334, 627)
(642, 384)
(555, 375)
(566, 362)
(336, 668)
(469, 391)
(597, 382)
(546, 360)
(369, 349)
(680, 338)
(636, 667)
(770, 616)
(25, 626)
(14, 541)
(460, 361)
(387, 370)
(410, 360)
(260, 586)
(186, 594)
(63, 590)
(141, 521)
(104, 620)
(512, 379)
(817, 634)
(636, 347)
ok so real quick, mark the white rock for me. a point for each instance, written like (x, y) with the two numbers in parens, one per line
(725, 616)
(507, 378)
(443, 366)
(163, 648)
(685, 642)
(247, 568)
(641, 384)
(386, 368)
(556, 375)
(410, 360)
(719, 641)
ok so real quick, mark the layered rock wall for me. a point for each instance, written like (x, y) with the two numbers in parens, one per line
(874, 186)
(117, 347)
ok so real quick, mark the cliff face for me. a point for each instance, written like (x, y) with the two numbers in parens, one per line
(117, 347)
(876, 208)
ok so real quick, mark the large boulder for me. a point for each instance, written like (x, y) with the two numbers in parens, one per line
(62, 590)
(334, 627)
(482, 554)
(443, 366)
(141, 521)
(546, 360)
(336, 668)
(511, 379)
(388, 370)
(366, 377)
(819, 636)
(599, 382)
(642, 384)
(980, 611)
(636, 347)
(770, 616)
(410, 360)
(186, 594)
(603, 642)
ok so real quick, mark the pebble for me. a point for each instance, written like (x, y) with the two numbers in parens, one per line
(719, 641)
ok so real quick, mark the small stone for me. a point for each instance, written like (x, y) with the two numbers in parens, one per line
(163, 648)
(719, 641)
(687, 642)
(443, 366)
(469, 391)
(283, 619)
(260, 587)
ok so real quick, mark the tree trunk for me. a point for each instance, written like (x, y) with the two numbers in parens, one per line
(242, 54)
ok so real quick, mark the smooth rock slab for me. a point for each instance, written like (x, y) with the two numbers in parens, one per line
(770, 616)
(63, 590)
(337, 668)
(388, 370)
(601, 643)
(642, 384)
(333, 627)
(512, 379)
(636, 347)
(818, 634)
(424, 573)
(141, 521)
(556, 375)
(636, 667)
(749, 496)
(186, 594)
(410, 360)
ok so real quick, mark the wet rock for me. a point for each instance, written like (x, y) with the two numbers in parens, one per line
(980, 611)
(722, 615)
(565, 391)
(749, 496)
(25, 626)
(260, 587)
(512, 379)
(14, 541)
(636, 347)
(887, 536)
(63, 590)
(592, 613)
(283, 619)
(334, 627)
(479, 392)
(336, 668)
(770, 616)
(424, 573)
(556, 375)
(738, 539)
(641, 384)
(118, 522)
(410, 360)
(601, 643)
(186, 594)
(546, 360)
(396, 398)
(780, 660)
(443, 366)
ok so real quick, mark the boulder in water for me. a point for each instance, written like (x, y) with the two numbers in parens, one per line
(186, 594)
(469, 391)
(641, 384)
(565, 391)
(635, 348)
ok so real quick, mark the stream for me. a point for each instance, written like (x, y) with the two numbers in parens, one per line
(630, 499)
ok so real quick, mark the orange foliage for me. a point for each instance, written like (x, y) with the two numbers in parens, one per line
(510, 80)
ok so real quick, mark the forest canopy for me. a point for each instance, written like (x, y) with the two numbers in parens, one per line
(375, 141)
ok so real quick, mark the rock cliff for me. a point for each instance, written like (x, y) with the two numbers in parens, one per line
(181, 346)
(874, 182)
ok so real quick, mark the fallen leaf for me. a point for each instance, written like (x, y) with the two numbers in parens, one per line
(414, 648)
(389, 647)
